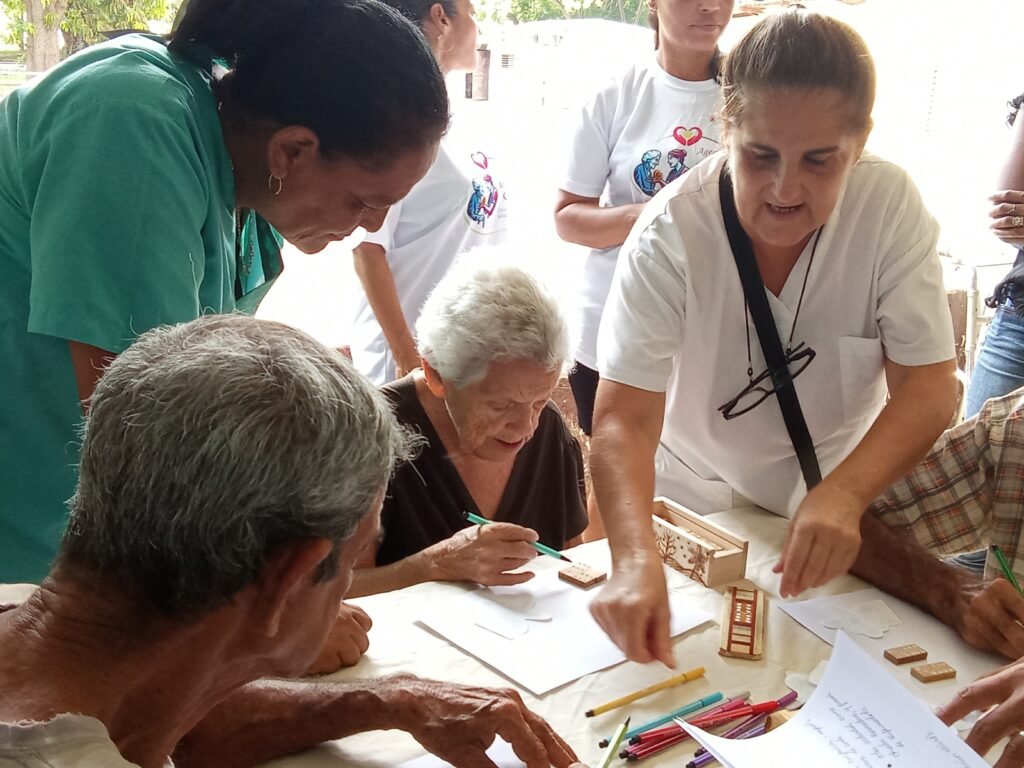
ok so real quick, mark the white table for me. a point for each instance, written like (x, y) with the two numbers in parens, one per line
(398, 645)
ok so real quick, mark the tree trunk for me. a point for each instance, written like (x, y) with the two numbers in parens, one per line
(43, 49)
(640, 8)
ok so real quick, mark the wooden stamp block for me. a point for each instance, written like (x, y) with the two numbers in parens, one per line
(581, 575)
(930, 673)
(742, 623)
(904, 654)
(696, 547)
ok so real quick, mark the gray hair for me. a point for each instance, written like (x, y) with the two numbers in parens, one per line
(481, 314)
(209, 445)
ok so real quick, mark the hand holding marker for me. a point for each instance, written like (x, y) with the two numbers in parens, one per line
(544, 550)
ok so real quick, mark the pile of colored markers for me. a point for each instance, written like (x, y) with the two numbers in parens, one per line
(746, 719)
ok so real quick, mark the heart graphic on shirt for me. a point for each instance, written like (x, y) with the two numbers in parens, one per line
(687, 136)
(479, 159)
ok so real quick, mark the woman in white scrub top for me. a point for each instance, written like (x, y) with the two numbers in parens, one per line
(847, 254)
(458, 205)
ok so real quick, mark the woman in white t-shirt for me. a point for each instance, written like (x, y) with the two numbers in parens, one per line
(458, 205)
(638, 134)
(847, 255)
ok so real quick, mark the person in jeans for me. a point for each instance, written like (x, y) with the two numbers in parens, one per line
(1000, 365)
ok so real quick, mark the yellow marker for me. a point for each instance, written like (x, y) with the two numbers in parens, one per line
(686, 677)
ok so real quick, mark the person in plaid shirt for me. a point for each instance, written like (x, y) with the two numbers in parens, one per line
(967, 494)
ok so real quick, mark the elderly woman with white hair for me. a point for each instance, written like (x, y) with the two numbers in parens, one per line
(493, 345)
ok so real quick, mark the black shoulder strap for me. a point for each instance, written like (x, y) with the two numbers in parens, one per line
(768, 334)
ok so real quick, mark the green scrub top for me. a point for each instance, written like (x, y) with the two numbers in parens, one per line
(117, 214)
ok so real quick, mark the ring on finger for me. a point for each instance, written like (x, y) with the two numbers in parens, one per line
(1017, 221)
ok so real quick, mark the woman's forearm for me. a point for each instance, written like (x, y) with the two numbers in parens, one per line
(627, 426)
(415, 569)
(372, 268)
(583, 221)
(1011, 174)
(922, 399)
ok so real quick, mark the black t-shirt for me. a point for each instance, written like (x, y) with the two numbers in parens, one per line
(426, 499)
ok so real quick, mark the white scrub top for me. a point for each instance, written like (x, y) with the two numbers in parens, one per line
(675, 323)
(640, 133)
(460, 204)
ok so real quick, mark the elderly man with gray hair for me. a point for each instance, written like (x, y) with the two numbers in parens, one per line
(493, 345)
(232, 472)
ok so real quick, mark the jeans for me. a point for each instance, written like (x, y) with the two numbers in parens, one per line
(1000, 366)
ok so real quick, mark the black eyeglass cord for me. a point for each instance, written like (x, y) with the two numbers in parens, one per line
(796, 315)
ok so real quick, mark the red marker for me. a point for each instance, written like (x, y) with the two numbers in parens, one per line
(710, 721)
(656, 734)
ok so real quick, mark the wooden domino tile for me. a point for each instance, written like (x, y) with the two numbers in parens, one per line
(742, 623)
(931, 673)
(904, 654)
(583, 576)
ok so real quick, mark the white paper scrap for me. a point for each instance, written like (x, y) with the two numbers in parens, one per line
(501, 755)
(547, 654)
(941, 642)
(872, 618)
(858, 716)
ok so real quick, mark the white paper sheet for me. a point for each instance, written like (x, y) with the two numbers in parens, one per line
(941, 642)
(548, 654)
(871, 619)
(857, 717)
(501, 755)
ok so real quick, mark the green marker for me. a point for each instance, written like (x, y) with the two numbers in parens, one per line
(613, 745)
(689, 709)
(536, 545)
(1005, 567)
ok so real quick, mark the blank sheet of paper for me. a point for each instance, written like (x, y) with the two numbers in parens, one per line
(858, 716)
(941, 642)
(501, 755)
(539, 634)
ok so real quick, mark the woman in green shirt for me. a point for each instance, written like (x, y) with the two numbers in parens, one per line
(129, 172)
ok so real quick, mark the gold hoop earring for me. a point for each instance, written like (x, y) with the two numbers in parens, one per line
(270, 184)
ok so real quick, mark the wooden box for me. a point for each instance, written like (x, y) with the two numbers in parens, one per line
(696, 547)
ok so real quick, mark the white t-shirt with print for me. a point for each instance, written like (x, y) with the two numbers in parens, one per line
(641, 132)
(67, 741)
(460, 204)
(675, 323)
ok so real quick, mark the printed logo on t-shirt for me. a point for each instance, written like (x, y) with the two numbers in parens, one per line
(675, 155)
(486, 199)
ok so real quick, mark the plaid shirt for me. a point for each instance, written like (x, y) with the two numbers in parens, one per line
(968, 492)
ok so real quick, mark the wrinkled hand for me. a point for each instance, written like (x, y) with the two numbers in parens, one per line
(990, 617)
(346, 642)
(1003, 689)
(1005, 206)
(633, 610)
(458, 723)
(484, 554)
(822, 541)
